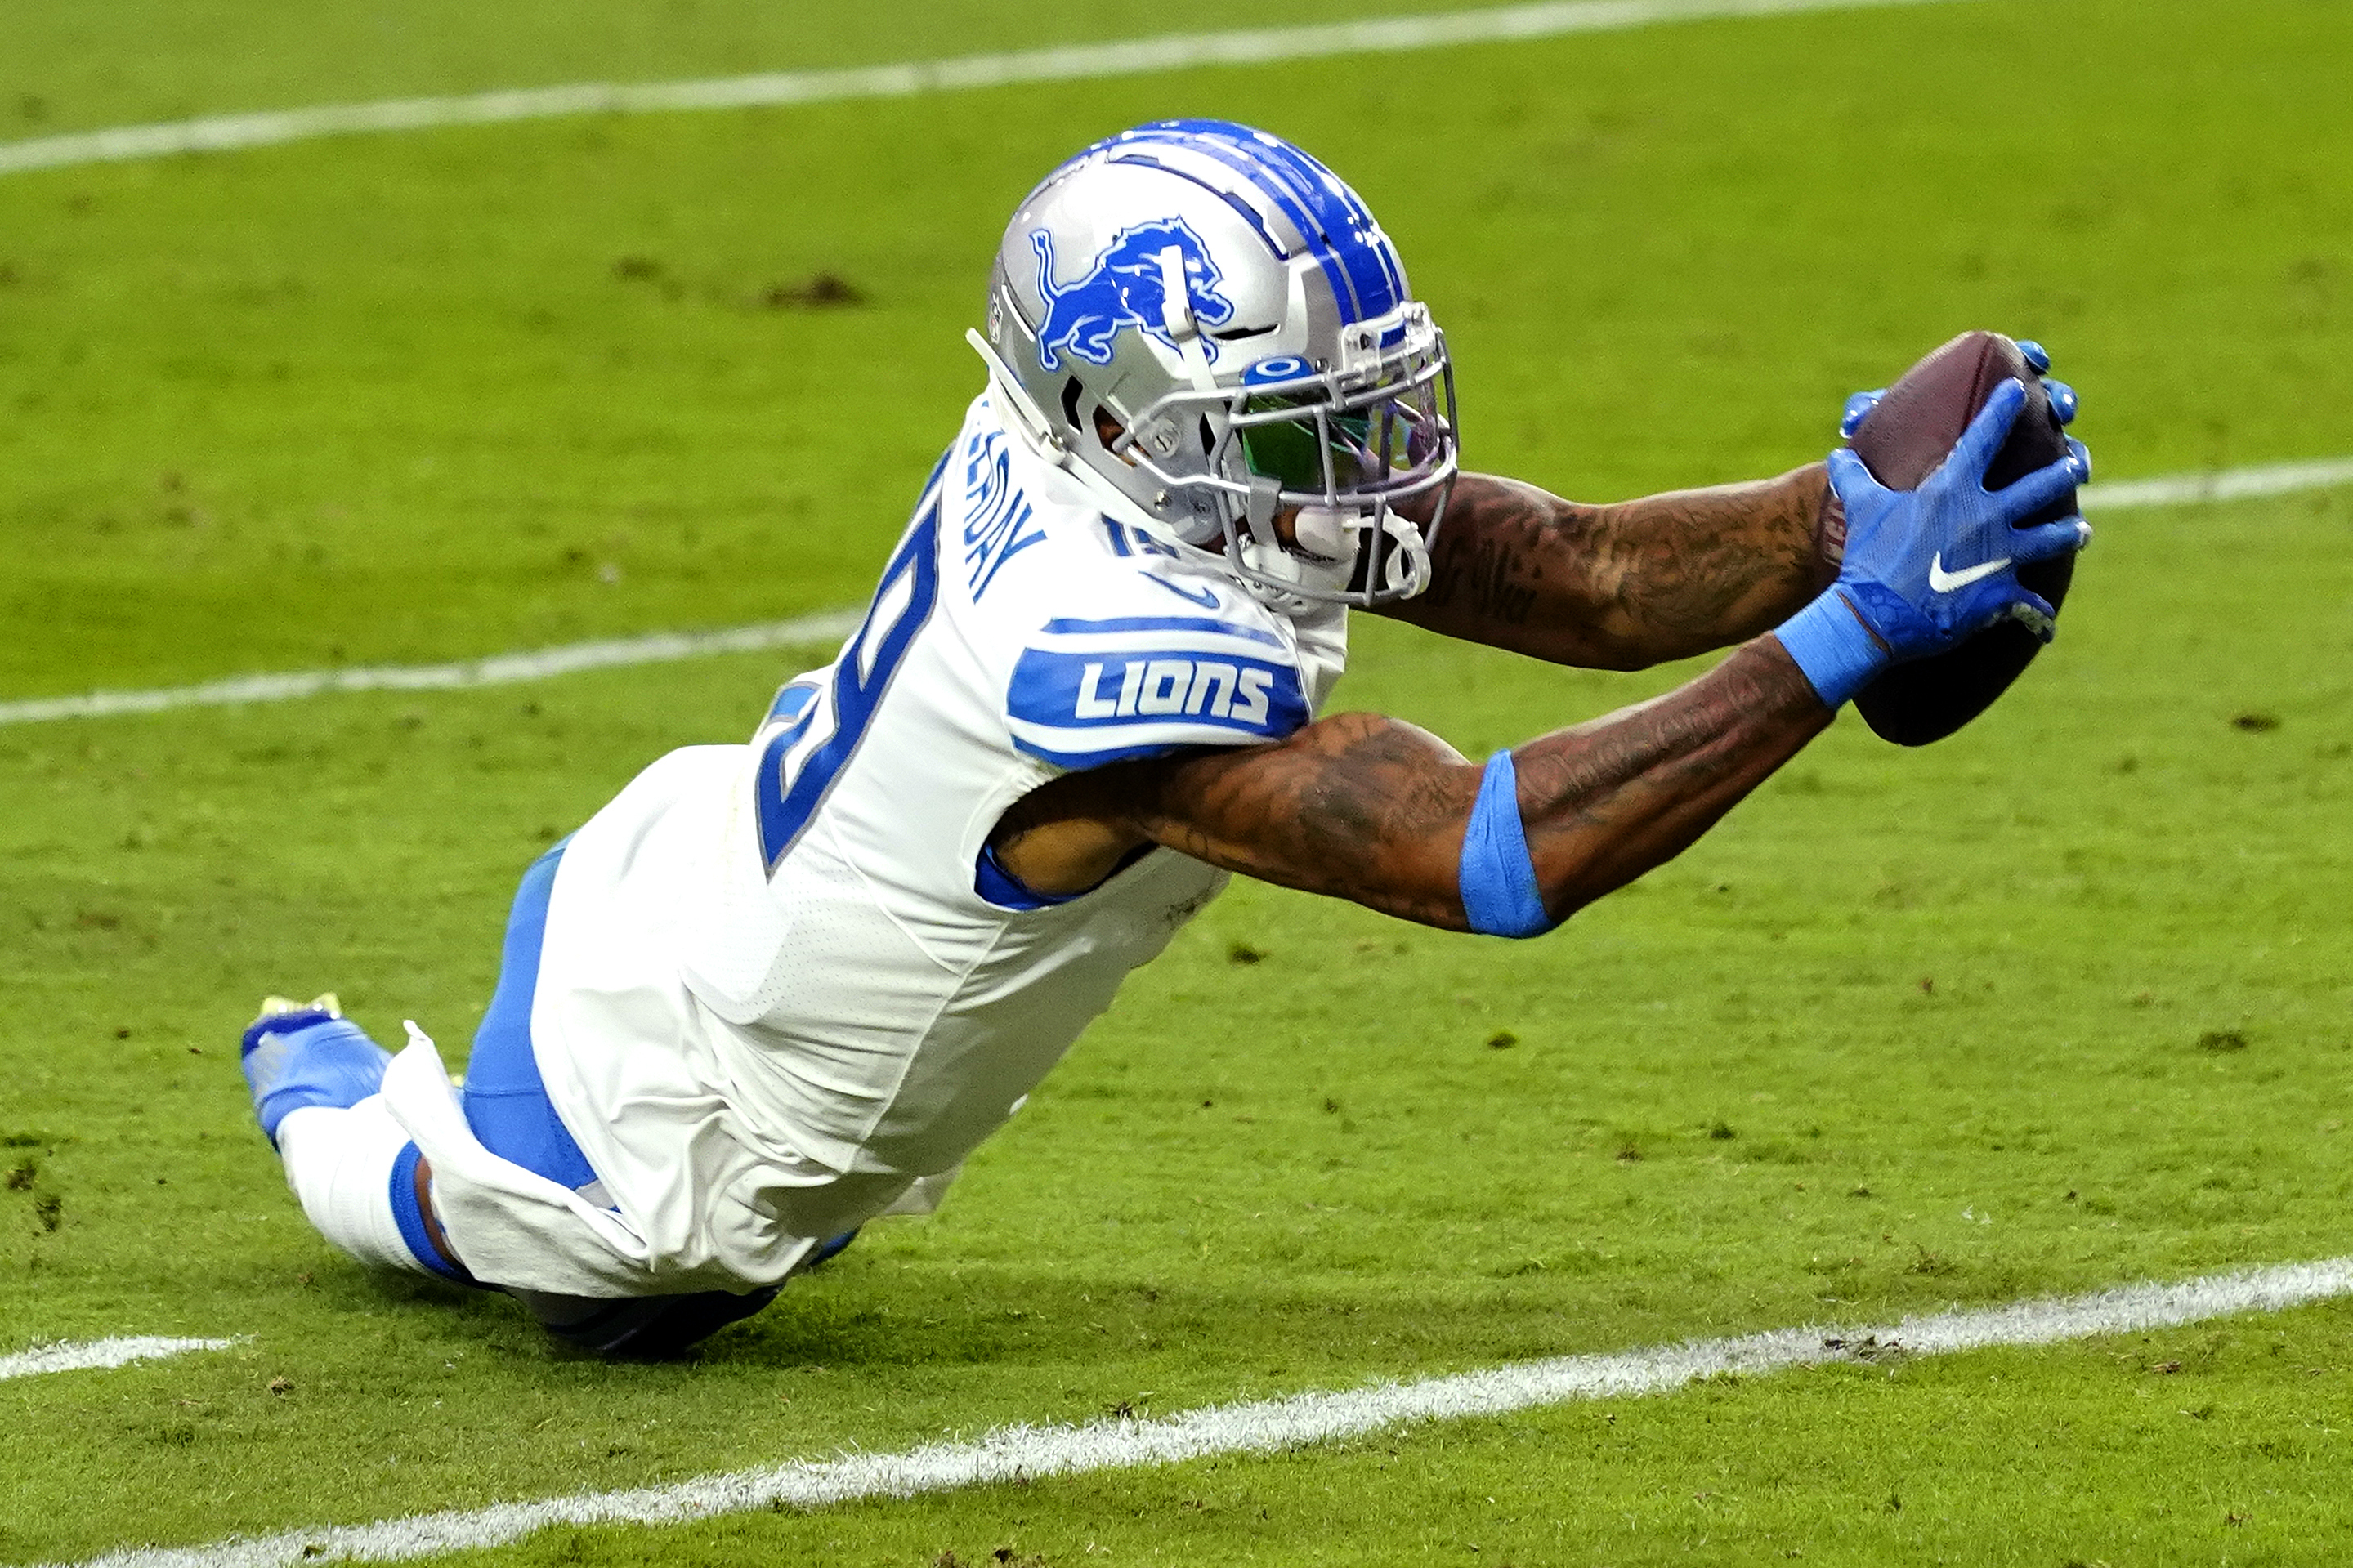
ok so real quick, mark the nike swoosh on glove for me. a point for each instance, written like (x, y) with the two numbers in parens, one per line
(1927, 567)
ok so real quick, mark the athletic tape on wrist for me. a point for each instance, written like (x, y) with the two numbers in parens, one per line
(1497, 876)
(1832, 646)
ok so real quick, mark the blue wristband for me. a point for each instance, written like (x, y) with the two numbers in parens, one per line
(1497, 876)
(1833, 648)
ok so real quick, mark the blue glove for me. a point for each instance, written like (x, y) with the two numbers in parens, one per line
(1858, 409)
(2063, 401)
(1925, 569)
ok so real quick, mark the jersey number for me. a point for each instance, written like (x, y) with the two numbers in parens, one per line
(788, 793)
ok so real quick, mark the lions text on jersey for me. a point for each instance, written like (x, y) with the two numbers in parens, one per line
(782, 988)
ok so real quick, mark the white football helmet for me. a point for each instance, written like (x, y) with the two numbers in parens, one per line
(1206, 326)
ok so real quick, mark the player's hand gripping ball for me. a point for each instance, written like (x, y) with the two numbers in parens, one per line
(1927, 566)
(1902, 436)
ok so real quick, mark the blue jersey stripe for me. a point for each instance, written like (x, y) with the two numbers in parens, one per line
(1164, 624)
(997, 886)
(938, 468)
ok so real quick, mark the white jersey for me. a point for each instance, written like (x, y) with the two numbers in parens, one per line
(781, 983)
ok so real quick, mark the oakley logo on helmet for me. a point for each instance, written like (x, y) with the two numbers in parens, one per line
(1122, 287)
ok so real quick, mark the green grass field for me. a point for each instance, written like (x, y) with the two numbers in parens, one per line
(2061, 1003)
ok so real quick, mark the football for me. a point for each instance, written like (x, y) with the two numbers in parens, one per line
(1902, 442)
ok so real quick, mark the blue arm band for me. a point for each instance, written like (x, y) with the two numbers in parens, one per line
(1833, 648)
(1497, 878)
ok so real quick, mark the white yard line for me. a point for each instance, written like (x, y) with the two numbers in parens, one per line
(825, 625)
(500, 669)
(2222, 484)
(1076, 62)
(1030, 1453)
(101, 1353)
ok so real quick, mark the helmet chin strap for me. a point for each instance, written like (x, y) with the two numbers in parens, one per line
(1329, 532)
(1271, 566)
(1340, 536)
(1266, 500)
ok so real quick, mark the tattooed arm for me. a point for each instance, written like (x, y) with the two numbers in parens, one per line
(1636, 583)
(1373, 809)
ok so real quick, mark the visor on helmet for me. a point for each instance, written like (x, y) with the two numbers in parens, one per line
(1308, 450)
(1377, 443)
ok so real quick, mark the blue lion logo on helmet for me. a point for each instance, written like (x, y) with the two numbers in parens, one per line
(1124, 287)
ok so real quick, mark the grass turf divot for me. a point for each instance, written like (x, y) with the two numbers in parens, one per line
(1025, 1453)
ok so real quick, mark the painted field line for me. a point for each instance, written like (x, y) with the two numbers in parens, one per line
(1076, 62)
(1032, 1453)
(500, 669)
(93, 1353)
(2222, 484)
(824, 626)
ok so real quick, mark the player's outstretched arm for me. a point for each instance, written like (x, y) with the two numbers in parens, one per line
(1376, 810)
(1635, 584)
(1632, 585)
(1369, 808)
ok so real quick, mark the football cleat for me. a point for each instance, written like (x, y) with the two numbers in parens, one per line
(299, 1054)
(325, 1002)
(831, 1247)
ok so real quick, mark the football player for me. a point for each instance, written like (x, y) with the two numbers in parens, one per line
(775, 990)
